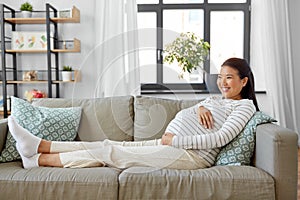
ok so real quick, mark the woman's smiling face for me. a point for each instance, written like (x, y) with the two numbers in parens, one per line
(230, 84)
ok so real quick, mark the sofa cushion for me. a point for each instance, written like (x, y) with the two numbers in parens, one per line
(49, 183)
(152, 115)
(102, 118)
(219, 182)
(240, 150)
(56, 124)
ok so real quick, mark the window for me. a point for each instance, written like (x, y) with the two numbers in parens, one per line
(225, 24)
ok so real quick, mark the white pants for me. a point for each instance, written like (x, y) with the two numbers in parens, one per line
(125, 154)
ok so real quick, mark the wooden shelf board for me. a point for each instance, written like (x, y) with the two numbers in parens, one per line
(43, 51)
(64, 81)
(66, 50)
(40, 20)
(65, 20)
(25, 82)
(75, 19)
(25, 51)
(26, 20)
(37, 82)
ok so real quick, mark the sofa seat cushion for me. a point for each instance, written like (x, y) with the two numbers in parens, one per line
(57, 183)
(219, 182)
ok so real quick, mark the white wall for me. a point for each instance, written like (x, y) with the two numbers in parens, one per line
(294, 6)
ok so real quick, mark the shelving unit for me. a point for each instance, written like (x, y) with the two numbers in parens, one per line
(51, 21)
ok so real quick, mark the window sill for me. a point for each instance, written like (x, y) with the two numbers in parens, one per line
(186, 92)
(177, 92)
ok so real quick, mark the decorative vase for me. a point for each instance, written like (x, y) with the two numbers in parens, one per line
(66, 75)
(211, 83)
(26, 14)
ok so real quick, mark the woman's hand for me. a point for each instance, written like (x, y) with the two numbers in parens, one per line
(167, 138)
(205, 117)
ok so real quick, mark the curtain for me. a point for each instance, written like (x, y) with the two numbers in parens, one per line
(271, 50)
(116, 50)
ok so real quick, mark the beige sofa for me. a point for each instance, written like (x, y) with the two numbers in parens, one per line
(272, 176)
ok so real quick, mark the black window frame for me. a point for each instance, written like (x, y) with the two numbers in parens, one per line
(164, 88)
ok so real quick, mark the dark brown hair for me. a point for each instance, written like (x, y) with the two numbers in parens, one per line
(242, 66)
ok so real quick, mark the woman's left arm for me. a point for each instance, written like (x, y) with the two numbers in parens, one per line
(233, 125)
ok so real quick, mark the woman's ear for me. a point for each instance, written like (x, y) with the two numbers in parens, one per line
(245, 81)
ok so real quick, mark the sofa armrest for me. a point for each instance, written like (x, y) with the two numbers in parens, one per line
(277, 153)
(3, 132)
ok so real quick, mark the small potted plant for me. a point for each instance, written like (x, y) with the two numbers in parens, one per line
(26, 10)
(67, 73)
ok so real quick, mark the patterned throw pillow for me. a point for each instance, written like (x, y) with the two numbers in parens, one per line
(56, 124)
(240, 150)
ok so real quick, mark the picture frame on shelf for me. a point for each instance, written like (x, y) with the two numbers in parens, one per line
(67, 13)
(66, 44)
(30, 40)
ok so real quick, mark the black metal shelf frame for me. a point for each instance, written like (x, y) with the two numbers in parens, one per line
(49, 52)
(5, 9)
